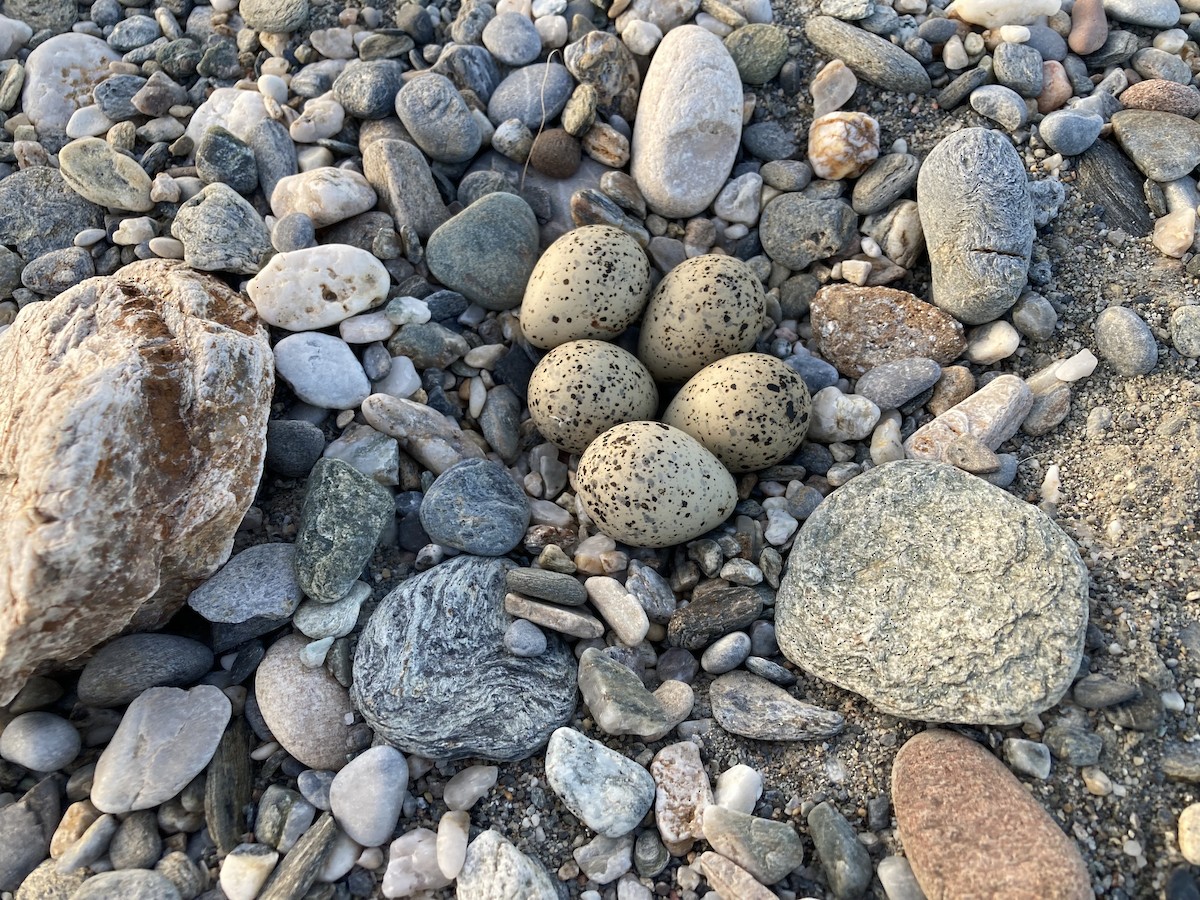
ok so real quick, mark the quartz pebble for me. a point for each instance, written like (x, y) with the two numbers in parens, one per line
(466, 788)
(682, 796)
(607, 791)
(318, 286)
(367, 795)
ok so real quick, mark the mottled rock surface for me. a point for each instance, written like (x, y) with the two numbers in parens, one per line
(936, 596)
(170, 376)
(432, 674)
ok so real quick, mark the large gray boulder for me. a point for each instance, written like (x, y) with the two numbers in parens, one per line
(433, 677)
(935, 596)
(977, 217)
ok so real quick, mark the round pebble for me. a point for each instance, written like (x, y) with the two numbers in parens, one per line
(1185, 330)
(523, 638)
(39, 741)
(1125, 342)
(476, 507)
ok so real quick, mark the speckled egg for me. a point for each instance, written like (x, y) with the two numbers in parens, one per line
(706, 308)
(749, 410)
(583, 388)
(590, 283)
(650, 485)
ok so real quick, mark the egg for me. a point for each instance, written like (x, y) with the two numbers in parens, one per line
(749, 410)
(650, 485)
(706, 308)
(590, 283)
(583, 388)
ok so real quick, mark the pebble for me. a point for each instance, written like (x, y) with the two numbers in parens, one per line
(603, 859)
(721, 610)
(888, 179)
(919, 497)
(797, 231)
(992, 414)
(137, 884)
(478, 699)
(892, 384)
(1185, 330)
(127, 666)
(487, 252)
(858, 328)
(318, 286)
(166, 738)
(534, 94)
(1024, 846)
(322, 370)
(1162, 96)
(752, 707)
(845, 860)
(832, 87)
(758, 51)
(452, 838)
(1164, 146)
(469, 786)
(304, 708)
(1002, 105)
(556, 618)
(1187, 833)
(97, 172)
(60, 74)
(274, 16)
(990, 343)
(221, 232)
(412, 864)
(841, 417)
(258, 582)
(39, 741)
(1148, 13)
(1074, 745)
(1028, 757)
(326, 195)
(1070, 132)
(476, 507)
(367, 795)
(871, 57)
(619, 608)
(496, 870)
(682, 797)
(1019, 67)
(246, 869)
(555, 587)
(331, 620)
(607, 791)
(767, 849)
(617, 699)
(1125, 341)
(367, 88)
(523, 638)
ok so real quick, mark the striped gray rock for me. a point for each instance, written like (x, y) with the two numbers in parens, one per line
(898, 585)
(433, 677)
(878, 61)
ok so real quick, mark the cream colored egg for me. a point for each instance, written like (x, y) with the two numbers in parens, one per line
(581, 389)
(650, 485)
(590, 283)
(706, 308)
(749, 410)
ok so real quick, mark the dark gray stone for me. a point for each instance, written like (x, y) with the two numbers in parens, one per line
(555, 587)
(712, 614)
(1181, 762)
(137, 843)
(471, 68)
(54, 272)
(746, 705)
(1048, 42)
(1150, 62)
(274, 154)
(432, 676)
(892, 384)
(438, 119)
(878, 61)
(975, 210)
(1099, 691)
(1125, 342)
(770, 142)
(1142, 713)
(429, 345)
(293, 447)
(487, 251)
(796, 231)
(401, 177)
(343, 515)
(617, 699)
(527, 91)
(958, 90)
(367, 90)
(889, 178)
(942, 562)
(1018, 66)
(1074, 745)
(294, 231)
(476, 507)
(222, 232)
(500, 422)
(1069, 132)
(846, 862)
(25, 830)
(129, 665)
(41, 213)
(1117, 48)
(223, 157)
(114, 96)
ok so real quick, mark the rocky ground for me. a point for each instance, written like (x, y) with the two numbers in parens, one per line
(1120, 474)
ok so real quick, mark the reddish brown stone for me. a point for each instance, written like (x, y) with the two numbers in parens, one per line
(970, 829)
(132, 434)
(859, 328)
(555, 153)
(1163, 96)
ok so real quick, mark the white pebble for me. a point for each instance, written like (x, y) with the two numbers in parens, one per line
(88, 237)
(476, 397)
(954, 55)
(619, 608)
(452, 834)
(1077, 367)
(339, 860)
(401, 380)
(738, 789)
(413, 865)
(840, 417)
(1051, 485)
(1171, 41)
(992, 342)
(641, 37)
(367, 328)
(553, 30)
(166, 247)
(370, 859)
(464, 789)
(246, 869)
(1014, 34)
(409, 311)
(88, 121)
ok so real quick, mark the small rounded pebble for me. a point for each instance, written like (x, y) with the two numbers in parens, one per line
(39, 741)
(1185, 330)
(1125, 342)
(523, 638)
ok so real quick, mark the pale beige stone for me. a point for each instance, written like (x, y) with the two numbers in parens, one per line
(992, 414)
(730, 880)
(132, 433)
(682, 796)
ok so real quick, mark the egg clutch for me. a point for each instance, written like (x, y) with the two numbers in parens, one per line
(644, 479)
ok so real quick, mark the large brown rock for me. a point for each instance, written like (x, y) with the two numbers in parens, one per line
(132, 432)
(970, 829)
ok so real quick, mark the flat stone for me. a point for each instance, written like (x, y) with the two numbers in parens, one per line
(718, 612)
(797, 231)
(26, 827)
(99, 173)
(1106, 178)
(343, 514)
(367, 795)
(557, 618)
(129, 665)
(487, 252)
(991, 416)
(426, 434)
(476, 507)
(892, 384)
(729, 879)
(689, 123)
(496, 870)
(746, 705)
(258, 582)
(765, 848)
(1162, 96)
(533, 94)
(431, 673)
(438, 119)
(39, 741)
(165, 739)
(1025, 849)
(1148, 13)
(858, 328)
(617, 699)
(156, 503)
(275, 16)
(1162, 145)
(607, 791)
(604, 860)
(913, 589)
(304, 707)
(401, 177)
(978, 222)
(316, 287)
(555, 587)
(871, 57)
(135, 884)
